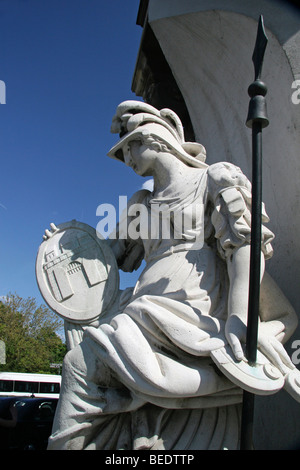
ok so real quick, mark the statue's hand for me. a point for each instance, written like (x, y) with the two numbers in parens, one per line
(48, 233)
(235, 332)
(267, 343)
(273, 349)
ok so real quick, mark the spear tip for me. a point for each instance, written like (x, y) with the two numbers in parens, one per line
(260, 47)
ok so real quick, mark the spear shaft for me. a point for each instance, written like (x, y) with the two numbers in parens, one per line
(257, 120)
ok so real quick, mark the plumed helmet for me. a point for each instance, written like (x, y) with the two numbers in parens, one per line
(135, 120)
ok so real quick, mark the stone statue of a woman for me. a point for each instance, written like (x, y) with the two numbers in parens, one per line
(145, 378)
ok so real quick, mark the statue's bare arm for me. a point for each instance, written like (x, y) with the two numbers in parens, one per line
(277, 321)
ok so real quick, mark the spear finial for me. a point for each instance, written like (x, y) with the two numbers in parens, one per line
(258, 90)
(259, 49)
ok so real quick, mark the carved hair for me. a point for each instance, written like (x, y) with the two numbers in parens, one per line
(156, 144)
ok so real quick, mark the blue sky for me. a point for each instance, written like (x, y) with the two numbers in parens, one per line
(66, 65)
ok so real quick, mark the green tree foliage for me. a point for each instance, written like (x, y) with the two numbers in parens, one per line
(31, 336)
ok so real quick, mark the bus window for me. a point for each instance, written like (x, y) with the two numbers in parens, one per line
(49, 387)
(6, 385)
(26, 387)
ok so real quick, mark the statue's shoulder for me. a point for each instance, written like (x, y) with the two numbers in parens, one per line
(224, 172)
(224, 175)
(139, 196)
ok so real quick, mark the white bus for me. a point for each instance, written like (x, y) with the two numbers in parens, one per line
(17, 384)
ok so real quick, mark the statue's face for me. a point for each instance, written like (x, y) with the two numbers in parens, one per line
(140, 157)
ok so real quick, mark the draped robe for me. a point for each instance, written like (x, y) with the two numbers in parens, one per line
(144, 379)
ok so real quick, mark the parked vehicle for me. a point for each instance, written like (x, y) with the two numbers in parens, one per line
(34, 423)
(16, 384)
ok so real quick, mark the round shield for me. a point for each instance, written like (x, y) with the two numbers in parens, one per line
(77, 272)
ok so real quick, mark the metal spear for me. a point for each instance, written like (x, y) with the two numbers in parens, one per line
(256, 120)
